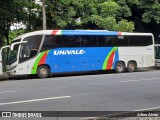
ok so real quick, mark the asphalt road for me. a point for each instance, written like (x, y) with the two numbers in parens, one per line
(97, 92)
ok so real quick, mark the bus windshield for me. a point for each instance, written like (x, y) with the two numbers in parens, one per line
(12, 54)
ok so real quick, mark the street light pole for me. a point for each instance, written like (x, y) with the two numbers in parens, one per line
(44, 14)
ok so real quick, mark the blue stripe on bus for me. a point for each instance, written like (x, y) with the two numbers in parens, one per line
(88, 32)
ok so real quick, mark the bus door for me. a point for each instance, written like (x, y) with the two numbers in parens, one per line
(24, 65)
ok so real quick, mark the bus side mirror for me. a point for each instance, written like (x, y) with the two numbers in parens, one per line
(12, 45)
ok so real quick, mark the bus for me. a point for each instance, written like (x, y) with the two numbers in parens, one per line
(157, 55)
(48, 52)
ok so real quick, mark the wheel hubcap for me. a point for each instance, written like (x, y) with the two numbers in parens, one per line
(43, 72)
(120, 68)
(131, 66)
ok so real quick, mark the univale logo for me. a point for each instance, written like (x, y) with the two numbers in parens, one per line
(69, 52)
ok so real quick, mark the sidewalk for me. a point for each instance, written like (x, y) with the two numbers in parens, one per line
(4, 76)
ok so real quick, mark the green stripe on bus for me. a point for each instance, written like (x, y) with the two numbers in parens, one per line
(107, 58)
(34, 68)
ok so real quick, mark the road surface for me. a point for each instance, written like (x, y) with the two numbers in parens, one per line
(97, 92)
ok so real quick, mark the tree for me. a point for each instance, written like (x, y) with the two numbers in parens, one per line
(109, 18)
(87, 14)
(15, 11)
(144, 13)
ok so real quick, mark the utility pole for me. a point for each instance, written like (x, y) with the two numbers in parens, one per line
(44, 14)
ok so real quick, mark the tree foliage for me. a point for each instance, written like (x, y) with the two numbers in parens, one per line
(15, 11)
(88, 14)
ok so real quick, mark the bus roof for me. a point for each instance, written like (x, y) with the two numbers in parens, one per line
(81, 32)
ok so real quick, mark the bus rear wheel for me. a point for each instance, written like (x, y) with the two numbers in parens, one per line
(132, 66)
(120, 67)
(43, 71)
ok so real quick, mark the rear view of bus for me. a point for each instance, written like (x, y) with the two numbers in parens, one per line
(49, 52)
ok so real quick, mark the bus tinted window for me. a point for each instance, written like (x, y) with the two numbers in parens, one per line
(89, 41)
(140, 40)
(134, 40)
(105, 41)
(109, 41)
(101, 41)
(121, 41)
(51, 42)
(71, 41)
(146, 40)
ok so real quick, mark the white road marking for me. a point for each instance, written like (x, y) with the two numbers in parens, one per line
(147, 109)
(140, 80)
(7, 92)
(34, 100)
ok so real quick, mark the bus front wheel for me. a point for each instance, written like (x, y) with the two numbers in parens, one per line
(43, 72)
(132, 66)
(120, 67)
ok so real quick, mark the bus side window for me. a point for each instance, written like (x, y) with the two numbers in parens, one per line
(71, 41)
(121, 41)
(105, 41)
(109, 41)
(30, 49)
(146, 40)
(101, 41)
(89, 41)
(134, 40)
(51, 42)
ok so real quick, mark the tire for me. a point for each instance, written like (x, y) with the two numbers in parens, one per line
(120, 67)
(132, 67)
(43, 72)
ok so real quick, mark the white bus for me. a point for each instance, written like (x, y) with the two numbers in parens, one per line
(49, 52)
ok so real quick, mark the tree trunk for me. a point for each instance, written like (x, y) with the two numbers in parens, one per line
(44, 14)
(7, 32)
(7, 37)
